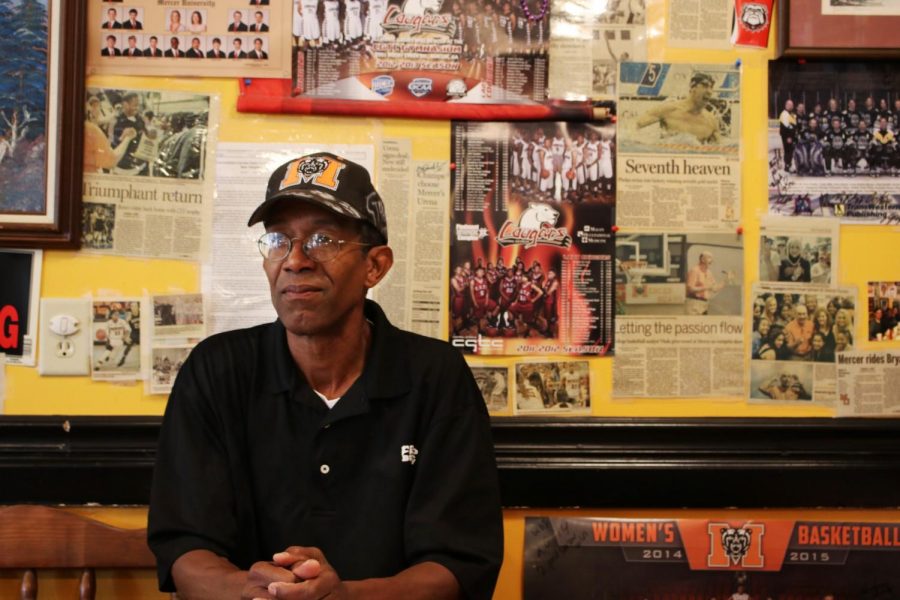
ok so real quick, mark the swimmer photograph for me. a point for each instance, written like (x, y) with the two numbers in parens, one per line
(679, 108)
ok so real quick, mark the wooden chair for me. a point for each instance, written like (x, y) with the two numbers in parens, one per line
(35, 537)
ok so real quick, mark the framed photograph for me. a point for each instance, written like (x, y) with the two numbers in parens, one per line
(41, 125)
(838, 28)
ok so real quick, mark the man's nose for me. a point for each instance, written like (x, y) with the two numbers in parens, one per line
(297, 259)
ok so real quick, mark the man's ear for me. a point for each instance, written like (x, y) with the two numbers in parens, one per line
(378, 262)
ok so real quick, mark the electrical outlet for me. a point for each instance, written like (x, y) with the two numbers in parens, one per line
(65, 336)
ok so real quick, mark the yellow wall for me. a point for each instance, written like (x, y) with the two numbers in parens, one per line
(75, 274)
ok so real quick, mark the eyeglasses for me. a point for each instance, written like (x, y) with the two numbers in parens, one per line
(319, 247)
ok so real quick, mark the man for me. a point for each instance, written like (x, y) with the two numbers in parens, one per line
(110, 49)
(132, 49)
(327, 454)
(128, 164)
(118, 332)
(194, 51)
(174, 51)
(701, 285)
(216, 51)
(238, 22)
(257, 51)
(785, 387)
(112, 20)
(153, 50)
(787, 129)
(258, 26)
(688, 115)
(794, 268)
(132, 22)
(236, 51)
(798, 333)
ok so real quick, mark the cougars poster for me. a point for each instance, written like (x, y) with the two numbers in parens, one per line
(422, 50)
(531, 238)
(699, 559)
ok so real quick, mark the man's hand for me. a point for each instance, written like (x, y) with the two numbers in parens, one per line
(309, 576)
(260, 576)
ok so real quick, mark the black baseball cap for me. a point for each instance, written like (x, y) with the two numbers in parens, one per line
(338, 184)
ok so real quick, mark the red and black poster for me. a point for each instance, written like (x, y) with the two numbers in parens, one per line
(699, 559)
(531, 238)
(19, 295)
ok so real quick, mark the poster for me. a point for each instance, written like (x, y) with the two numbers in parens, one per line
(679, 147)
(20, 273)
(730, 558)
(196, 39)
(422, 51)
(861, 7)
(833, 148)
(679, 324)
(531, 240)
(148, 176)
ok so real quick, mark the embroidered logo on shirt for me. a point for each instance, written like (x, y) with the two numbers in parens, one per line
(408, 454)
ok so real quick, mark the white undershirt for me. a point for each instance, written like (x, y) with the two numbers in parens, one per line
(329, 403)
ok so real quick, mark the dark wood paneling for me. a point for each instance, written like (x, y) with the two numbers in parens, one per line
(590, 462)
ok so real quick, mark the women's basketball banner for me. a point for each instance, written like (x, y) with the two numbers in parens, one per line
(531, 238)
(732, 558)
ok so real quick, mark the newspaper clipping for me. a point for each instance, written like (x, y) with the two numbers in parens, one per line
(679, 330)
(796, 336)
(178, 323)
(732, 556)
(868, 383)
(148, 182)
(884, 311)
(615, 32)
(793, 252)
(703, 24)
(415, 196)
(833, 148)
(531, 238)
(679, 146)
(493, 382)
(207, 38)
(116, 352)
(553, 387)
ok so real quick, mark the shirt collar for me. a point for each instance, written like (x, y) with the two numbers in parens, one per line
(385, 374)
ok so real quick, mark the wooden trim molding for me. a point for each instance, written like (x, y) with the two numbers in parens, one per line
(543, 462)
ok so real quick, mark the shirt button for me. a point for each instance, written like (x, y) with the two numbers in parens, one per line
(324, 469)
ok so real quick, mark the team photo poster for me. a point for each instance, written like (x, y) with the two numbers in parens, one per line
(531, 238)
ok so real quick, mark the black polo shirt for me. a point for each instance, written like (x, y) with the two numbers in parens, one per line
(401, 471)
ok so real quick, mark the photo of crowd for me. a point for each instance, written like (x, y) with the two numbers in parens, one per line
(795, 259)
(494, 387)
(145, 134)
(884, 311)
(562, 162)
(497, 300)
(166, 362)
(553, 386)
(802, 327)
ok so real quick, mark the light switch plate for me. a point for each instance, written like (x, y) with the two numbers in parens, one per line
(65, 355)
